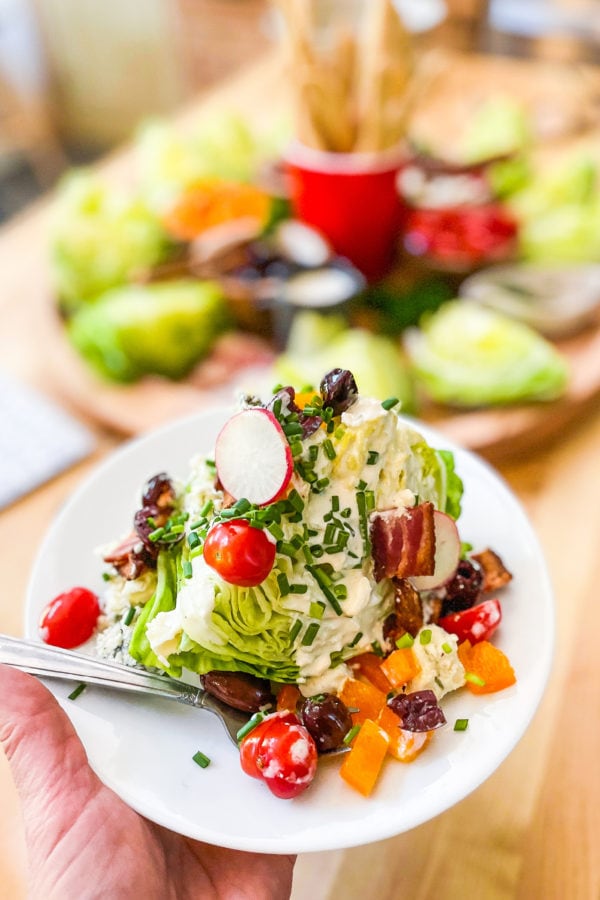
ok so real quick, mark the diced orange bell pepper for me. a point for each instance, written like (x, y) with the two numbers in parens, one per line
(367, 699)
(368, 665)
(488, 664)
(288, 697)
(403, 745)
(212, 202)
(362, 765)
(400, 667)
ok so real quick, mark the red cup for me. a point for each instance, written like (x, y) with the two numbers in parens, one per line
(352, 199)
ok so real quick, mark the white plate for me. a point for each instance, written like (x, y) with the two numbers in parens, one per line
(143, 748)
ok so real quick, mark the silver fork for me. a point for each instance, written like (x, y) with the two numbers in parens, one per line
(51, 662)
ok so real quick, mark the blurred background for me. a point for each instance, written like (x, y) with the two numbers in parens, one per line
(78, 76)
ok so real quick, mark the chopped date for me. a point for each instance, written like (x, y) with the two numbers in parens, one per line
(339, 390)
(327, 719)
(465, 589)
(419, 711)
(239, 690)
(287, 396)
(159, 492)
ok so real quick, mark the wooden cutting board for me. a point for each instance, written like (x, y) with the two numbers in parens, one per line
(496, 433)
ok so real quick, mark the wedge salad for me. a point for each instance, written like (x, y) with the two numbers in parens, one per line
(312, 574)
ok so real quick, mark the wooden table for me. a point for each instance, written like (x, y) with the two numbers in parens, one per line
(532, 830)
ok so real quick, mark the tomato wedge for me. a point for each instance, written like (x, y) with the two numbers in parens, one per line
(478, 623)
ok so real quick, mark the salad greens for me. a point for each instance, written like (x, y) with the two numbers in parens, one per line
(467, 355)
(100, 238)
(320, 604)
(318, 342)
(162, 328)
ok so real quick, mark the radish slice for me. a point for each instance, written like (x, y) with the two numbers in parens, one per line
(253, 457)
(447, 554)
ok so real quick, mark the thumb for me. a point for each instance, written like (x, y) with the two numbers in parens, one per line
(48, 762)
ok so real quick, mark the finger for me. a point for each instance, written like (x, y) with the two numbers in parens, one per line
(48, 761)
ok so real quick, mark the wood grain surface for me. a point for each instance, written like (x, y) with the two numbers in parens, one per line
(532, 830)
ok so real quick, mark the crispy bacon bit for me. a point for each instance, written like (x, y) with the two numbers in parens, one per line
(495, 573)
(129, 557)
(403, 542)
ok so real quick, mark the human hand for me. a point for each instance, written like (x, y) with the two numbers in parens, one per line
(84, 842)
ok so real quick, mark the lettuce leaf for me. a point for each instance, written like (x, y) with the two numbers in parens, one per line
(163, 600)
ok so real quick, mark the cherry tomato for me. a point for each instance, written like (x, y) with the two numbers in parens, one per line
(251, 744)
(240, 553)
(282, 752)
(478, 623)
(69, 620)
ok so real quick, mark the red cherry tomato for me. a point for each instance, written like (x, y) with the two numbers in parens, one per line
(281, 752)
(478, 623)
(251, 744)
(240, 553)
(69, 620)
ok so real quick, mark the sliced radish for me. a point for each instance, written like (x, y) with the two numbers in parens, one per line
(447, 553)
(253, 457)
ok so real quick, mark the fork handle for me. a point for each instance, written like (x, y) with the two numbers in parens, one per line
(52, 662)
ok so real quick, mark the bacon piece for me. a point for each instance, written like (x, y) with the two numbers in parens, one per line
(495, 573)
(403, 542)
(129, 557)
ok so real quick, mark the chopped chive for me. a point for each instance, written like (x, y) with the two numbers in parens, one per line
(372, 457)
(376, 648)
(176, 529)
(335, 503)
(329, 533)
(324, 582)
(370, 500)
(310, 634)
(361, 485)
(156, 534)
(313, 452)
(296, 448)
(425, 636)
(200, 523)
(193, 540)
(151, 522)
(276, 530)
(292, 429)
(340, 591)
(278, 387)
(186, 568)
(201, 759)
(298, 588)
(308, 555)
(207, 508)
(446, 647)
(316, 550)
(316, 609)
(439, 683)
(78, 690)
(361, 502)
(284, 585)
(295, 629)
(320, 485)
(277, 406)
(346, 513)
(404, 641)
(243, 505)
(390, 403)
(461, 724)
(287, 548)
(356, 639)
(335, 659)
(329, 449)
(106, 576)
(250, 725)
(211, 464)
(129, 616)
(339, 432)
(351, 734)
(474, 679)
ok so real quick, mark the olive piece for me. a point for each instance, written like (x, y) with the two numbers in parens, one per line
(327, 719)
(239, 690)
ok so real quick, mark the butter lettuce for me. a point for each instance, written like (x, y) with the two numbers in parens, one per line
(467, 355)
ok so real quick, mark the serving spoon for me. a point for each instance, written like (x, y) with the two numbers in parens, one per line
(51, 662)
